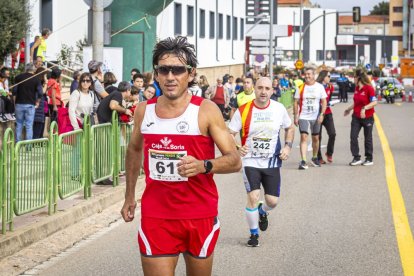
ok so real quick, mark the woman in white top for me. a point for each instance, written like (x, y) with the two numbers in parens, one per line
(81, 101)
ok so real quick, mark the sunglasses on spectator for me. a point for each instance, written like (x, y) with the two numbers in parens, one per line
(328, 76)
(85, 80)
(174, 69)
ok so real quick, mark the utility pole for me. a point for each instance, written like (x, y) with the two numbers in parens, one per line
(300, 28)
(271, 41)
(323, 37)
(294, 42)
(27, 39)
(98, 30)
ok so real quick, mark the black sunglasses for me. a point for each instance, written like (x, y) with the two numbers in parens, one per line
(85, 80)
(174, 69)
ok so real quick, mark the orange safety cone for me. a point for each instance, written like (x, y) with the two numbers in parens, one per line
(410, 97)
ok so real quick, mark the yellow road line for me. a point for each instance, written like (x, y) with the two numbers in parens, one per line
(401, 223)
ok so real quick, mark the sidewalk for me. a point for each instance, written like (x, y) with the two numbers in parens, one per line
(35, 226)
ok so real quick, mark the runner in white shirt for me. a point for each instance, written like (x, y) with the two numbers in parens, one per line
(260, 122)
(309, 108)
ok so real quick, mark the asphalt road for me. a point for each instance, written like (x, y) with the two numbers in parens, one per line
(333, 220)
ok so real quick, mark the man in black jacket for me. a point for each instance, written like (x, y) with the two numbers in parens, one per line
(26, 95)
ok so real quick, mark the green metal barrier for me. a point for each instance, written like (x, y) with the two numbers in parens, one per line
(32, 188)
(34, 173)
(126, 132)
(70, 162)
(6, 184)
(101, 149)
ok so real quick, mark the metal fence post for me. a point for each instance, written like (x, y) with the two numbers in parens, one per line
(52, 168)
(86, 158)
(115, 148)
(7, 180)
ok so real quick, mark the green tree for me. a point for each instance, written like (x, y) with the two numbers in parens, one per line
(14, 22)
(382, 8)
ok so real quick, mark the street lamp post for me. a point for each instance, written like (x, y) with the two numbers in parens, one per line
(271, 41)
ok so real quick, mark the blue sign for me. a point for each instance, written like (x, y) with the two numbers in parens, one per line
(259, 58)
(368, 66)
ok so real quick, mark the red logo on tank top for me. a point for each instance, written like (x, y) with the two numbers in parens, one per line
(166, 144)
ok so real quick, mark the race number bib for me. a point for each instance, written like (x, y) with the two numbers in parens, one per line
(163, 165)
(309, 104)
(261, 147)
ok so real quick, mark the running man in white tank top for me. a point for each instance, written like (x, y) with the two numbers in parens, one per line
(260, 122)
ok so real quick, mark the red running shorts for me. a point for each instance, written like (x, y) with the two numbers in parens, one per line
(166, 237)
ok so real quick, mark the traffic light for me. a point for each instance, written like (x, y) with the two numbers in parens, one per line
(356, 14)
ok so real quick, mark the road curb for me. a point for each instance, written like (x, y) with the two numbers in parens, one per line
(27, 235)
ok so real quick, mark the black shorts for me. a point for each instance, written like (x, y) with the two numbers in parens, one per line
(269, 178)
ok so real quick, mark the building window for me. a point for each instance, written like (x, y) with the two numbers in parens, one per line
(202, 23)
(241, 28)
(46, 19)
(397, 9)
(349, 30)
(234, 28)
(397, 23)
(342, 55)
(329, 55)
(177, 19)
(190, 20)
(220, 26)
(212, 21)
(366, 31)
(228, 28)
(380, 31)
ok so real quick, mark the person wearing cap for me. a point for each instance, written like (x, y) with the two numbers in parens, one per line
(114, 102)
(41, 45)
(26, 95)
(95, 69)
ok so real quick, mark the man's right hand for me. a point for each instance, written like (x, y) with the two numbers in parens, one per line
(128, 210)
(243, 150)
(296, 121)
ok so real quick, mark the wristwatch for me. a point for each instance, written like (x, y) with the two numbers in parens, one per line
(208, 166)
(289, 144)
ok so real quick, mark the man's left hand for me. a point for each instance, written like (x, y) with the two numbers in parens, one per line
(284, 153)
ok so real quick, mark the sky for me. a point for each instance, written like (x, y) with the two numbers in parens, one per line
(346, 5)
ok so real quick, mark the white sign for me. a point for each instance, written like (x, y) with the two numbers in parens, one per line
(113, 60)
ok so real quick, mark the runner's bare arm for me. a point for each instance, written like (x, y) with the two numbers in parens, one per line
(212, 124)
(295, 112)
(230, 160)
(289, 136)
(133, 162)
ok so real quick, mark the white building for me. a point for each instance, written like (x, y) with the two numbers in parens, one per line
(68, 21)
(287, 51)
(216, 28)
